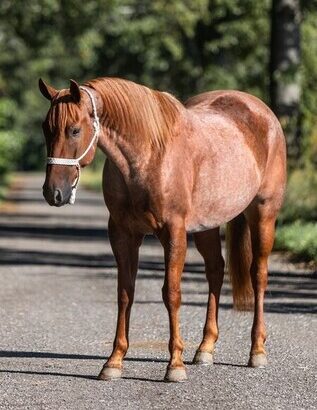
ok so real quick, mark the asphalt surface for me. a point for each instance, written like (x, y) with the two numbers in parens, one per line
(58, 314)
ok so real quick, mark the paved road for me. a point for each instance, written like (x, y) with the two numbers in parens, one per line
(58, 309)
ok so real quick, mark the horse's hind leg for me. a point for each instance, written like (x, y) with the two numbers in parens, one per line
(261, 219)
(209, 246)
(125, 246)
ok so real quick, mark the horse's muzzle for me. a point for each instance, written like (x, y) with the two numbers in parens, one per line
(56, 196)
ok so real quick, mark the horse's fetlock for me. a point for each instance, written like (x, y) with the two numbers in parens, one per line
(121, 347)
(258, 335)
(176, 345)
(212, 334)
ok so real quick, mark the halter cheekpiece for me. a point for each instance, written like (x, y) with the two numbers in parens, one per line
(76, 161)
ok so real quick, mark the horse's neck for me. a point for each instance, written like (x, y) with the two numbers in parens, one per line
(152, 130)
(127, 155)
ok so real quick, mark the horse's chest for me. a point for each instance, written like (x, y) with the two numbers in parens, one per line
(133, 210)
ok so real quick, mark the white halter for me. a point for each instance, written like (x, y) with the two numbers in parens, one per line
(76, 161)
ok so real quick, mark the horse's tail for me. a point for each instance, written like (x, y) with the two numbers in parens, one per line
(239, 257)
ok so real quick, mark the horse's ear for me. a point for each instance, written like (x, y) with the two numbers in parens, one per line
(75, 91)
(46, 90)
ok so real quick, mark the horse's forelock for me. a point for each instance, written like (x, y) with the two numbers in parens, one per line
(63, 111)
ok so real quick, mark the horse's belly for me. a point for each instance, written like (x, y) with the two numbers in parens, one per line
(222, 192)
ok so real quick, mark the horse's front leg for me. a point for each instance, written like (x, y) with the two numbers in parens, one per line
(173, 239)
(125, 246)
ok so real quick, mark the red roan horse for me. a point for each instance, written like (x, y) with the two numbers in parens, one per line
(172, 169)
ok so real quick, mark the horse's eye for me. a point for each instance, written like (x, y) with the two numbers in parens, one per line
(74, 132)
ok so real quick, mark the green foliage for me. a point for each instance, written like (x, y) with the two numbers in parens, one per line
(297, 228)
(300, 238)
(187, 47)
(181, 46)
(301, 197)
(309, 86)
(10, 148)
(10, 139)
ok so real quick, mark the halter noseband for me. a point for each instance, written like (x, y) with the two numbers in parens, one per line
(76, 161)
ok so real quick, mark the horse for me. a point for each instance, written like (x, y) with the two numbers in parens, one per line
(171, 169)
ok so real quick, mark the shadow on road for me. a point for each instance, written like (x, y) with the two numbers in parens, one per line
(289, 292)
(78, 376)
(55, 232)
(298, 288)
(49, 355)
(73, 356)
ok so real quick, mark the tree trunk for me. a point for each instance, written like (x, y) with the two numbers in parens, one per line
(285, 87)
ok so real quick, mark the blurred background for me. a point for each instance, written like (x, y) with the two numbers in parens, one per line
(265, 47)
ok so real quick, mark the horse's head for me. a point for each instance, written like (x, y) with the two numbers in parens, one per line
(69, 128)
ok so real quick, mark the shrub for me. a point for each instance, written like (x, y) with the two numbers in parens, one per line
(300, 238)
(10, 147)
(301, 197)
(11, 142)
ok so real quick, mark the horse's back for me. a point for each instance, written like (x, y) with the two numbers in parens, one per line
(228, 101)
(245, 110)
(246, 115)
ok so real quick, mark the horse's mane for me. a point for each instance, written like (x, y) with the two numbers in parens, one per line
(134, 110)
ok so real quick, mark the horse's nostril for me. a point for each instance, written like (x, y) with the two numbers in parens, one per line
(58, 197)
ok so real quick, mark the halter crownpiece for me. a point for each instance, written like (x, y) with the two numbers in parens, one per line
(76, 161)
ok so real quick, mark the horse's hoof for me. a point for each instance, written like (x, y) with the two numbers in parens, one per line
(258, 360)
(203, 358)
(175, 375)
(110, 373)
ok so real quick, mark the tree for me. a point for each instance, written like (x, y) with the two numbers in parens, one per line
(285, 83)
(182, 46)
